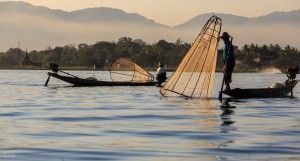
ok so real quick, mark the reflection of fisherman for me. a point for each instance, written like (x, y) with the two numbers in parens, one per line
(228, 60)
(161, 74)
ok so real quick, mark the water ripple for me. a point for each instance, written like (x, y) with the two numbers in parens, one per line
(63, 123)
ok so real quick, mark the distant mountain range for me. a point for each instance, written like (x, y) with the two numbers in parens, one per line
(38, 27)
(292, 17)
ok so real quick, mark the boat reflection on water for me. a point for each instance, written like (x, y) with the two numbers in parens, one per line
(227, 113)
(209, 126)
(210, 116)
(227, 121)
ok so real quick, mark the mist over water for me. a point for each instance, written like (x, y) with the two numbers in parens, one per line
(271, 70)
(136, 123)
(29, 30)
(37, 33)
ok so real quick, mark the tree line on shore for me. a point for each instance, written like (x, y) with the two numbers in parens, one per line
(101, 55)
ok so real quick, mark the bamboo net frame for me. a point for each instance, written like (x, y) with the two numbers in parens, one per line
(194, 77)
(125, 70)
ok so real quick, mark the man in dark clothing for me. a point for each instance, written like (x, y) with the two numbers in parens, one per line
(228, 60)
(292, 72)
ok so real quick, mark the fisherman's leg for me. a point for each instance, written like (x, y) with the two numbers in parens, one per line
(227, 77)
(227, 84)
(227, 80)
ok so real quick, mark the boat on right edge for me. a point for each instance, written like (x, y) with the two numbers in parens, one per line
(282, 92)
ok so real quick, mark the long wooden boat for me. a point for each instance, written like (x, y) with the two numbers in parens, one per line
(92, 82)
(262, 92)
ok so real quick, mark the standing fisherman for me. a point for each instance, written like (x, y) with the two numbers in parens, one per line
(228, 60)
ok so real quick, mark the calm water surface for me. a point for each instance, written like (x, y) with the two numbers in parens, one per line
(61, 123)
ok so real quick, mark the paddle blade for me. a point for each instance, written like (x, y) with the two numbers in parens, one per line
(220, 96)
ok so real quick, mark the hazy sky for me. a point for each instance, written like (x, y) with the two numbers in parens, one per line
(174, 12)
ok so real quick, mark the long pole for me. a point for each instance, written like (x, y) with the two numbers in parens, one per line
(221, 92)
(47, 81)
(68, 73)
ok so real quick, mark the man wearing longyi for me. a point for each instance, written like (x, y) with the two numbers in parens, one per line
(228, 59)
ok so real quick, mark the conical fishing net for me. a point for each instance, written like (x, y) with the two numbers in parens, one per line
(125, 70)
(195, 75)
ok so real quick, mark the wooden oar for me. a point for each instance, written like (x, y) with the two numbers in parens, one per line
(68, 73)
(221, 92)
(47, 81)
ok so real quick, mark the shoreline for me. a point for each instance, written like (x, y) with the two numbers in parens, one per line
(107, 69)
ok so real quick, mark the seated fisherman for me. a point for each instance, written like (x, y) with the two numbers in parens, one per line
(161, 74)
(228, 60)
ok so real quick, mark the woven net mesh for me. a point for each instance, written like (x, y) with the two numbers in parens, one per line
(195, 75)
(125, 70)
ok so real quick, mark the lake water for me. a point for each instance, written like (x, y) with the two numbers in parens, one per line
(61, 123)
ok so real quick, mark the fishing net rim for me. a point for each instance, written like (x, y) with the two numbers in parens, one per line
(151, 76)
(217, 43)
(186, 54)
(163, 91)
(113, 62)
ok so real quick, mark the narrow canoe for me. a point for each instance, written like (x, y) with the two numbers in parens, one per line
(261, 92)
(90, 82)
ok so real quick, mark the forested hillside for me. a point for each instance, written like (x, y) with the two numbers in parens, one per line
(101, 54)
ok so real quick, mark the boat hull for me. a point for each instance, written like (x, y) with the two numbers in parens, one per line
(89, 82)
(261, 92)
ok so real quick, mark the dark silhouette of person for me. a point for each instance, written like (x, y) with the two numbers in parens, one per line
(292, 72)
(228, 60)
